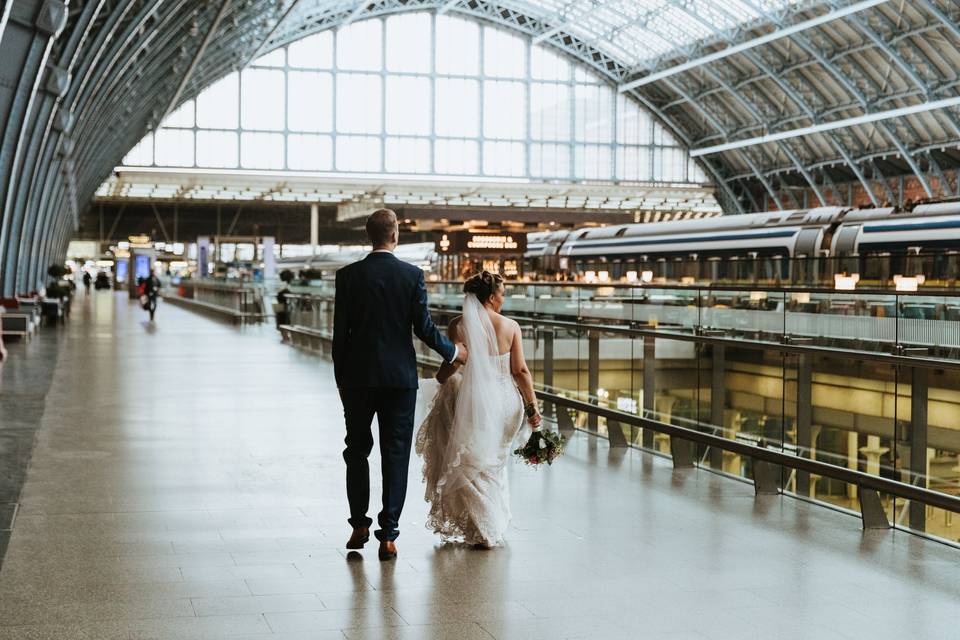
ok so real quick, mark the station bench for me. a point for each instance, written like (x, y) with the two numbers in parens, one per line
(19, 317)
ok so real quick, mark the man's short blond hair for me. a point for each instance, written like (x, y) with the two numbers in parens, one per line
(381, 225)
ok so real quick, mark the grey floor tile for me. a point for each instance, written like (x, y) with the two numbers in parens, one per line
(339, 619)
(257, 604)
(454, 631)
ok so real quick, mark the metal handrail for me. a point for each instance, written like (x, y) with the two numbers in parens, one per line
(723, 287)
(638, 331)
(798, 349)
(852, 476)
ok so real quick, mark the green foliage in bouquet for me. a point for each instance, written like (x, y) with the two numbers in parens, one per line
(542, 447)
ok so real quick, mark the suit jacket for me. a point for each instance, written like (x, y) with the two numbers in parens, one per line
(379, 300)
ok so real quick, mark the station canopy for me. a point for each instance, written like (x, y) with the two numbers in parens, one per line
(781, 103)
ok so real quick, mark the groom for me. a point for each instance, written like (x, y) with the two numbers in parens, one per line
(379, 300)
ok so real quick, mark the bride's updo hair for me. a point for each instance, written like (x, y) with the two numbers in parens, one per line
(483, 285)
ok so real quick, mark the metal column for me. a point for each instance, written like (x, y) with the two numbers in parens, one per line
(804, 419)
(717, 401)
(918, 443)
(548, 335)
(593, 376)
(649, 386)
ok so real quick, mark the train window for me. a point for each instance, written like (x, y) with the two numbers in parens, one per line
(621, 232)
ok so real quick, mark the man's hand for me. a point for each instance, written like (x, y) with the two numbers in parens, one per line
(462, 353)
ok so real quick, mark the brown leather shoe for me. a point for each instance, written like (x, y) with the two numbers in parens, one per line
(358, 538)
(388, 550)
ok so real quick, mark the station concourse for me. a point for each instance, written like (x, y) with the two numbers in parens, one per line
(727, 232)
(191, 488)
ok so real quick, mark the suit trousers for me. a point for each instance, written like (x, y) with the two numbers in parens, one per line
(394, 409)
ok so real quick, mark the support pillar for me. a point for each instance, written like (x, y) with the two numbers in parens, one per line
(649, 387)
(548, 337)
(872, 453)
(872, 511)
(681, 451)
(804, 420)
(615, 435)
(853, 459)
(717, 401)
(732, 461)
(314, 227)
(565, 422)
(664, 411)
(765, 477)
(918, 444)
(593, 377)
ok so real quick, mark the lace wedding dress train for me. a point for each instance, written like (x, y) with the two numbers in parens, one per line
(467, 437)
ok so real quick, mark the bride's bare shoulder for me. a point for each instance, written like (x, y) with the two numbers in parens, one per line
(508, 322)
(505, 325)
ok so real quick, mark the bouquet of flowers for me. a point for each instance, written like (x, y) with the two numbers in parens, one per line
(543, 446)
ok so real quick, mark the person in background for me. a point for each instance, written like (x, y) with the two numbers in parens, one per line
(86, 281)
(151, 290)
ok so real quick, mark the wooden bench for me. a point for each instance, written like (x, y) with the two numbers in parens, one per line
(307, 338)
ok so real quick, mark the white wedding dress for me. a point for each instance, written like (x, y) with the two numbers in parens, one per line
(467, 438)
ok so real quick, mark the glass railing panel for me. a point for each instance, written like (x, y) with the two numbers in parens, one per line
(519, 299)
(666, 309)
(849, 320)
(445, 296)
(585, 387)
(672, 376)
(752, 314)
(615, 379)
(557, 302)
(738, 395)
(605, 304)
(929, 325)
(852, 424)
(928, 445)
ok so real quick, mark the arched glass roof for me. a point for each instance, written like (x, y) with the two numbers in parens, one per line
(416, 94)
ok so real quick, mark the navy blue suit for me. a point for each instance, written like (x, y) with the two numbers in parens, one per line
(380, 300)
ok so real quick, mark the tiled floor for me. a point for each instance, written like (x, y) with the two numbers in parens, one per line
(187, 483)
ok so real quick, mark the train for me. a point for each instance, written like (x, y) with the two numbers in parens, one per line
(808, 246)
(813, 247)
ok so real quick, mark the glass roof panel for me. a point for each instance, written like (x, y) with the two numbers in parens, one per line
(635, 32)
(639, 31)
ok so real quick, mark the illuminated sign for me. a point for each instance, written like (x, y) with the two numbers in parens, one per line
(460, 242)
(140, 242)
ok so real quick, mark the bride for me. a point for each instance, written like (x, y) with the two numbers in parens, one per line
(479, 409)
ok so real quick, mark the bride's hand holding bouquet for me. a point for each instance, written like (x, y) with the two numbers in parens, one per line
(543, 446)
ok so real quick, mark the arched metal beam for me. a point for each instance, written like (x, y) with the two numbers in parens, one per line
(25, 48)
